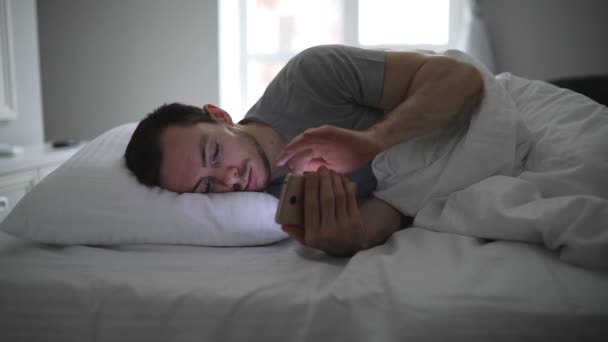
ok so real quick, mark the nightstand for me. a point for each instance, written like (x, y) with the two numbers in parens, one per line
(20, 173)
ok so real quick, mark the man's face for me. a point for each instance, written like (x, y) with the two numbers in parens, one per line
(206, 158)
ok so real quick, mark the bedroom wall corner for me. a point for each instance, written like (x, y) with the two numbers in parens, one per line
(106, 63)
(27, 128)
(548, 39)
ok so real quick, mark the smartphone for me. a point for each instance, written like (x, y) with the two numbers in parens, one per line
(291, 203)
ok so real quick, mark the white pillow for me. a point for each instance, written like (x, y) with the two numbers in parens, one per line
(94, 199)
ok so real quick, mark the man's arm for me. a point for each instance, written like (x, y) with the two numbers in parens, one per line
(420, 93)
(333, 220)
(380, 219)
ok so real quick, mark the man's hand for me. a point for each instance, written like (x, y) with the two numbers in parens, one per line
(332, 221)
(339, 149)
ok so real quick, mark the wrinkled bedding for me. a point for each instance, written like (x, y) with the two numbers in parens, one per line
(523, 176)
(530, 164)
(419, 286)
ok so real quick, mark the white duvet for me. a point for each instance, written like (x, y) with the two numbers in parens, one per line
(530, 165)
(419, 286)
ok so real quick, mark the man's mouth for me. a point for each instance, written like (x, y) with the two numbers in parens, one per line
(249, 179)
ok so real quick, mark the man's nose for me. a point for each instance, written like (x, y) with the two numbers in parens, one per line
(232, 179)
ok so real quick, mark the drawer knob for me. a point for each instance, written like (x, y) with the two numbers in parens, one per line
(3, 203)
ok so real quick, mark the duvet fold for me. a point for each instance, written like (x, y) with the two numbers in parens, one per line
(529, 163)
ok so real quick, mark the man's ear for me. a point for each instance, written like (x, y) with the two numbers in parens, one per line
(218, 113)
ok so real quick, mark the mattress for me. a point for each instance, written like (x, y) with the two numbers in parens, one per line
(419, 286)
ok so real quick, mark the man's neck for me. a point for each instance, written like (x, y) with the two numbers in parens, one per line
(271, 141)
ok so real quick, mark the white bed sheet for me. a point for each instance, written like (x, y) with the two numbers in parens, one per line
(419, 286)
(529, 163)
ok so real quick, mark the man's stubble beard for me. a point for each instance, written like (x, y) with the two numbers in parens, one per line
(260, 152)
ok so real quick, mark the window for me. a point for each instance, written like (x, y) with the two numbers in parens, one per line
(257, 37)
(406, 23)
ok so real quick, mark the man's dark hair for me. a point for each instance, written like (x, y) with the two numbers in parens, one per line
(143, 154)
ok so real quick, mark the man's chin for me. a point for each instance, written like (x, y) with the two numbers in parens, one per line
(265, 174)
(265, 163)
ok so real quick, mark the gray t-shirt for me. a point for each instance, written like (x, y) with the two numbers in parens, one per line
(325, 85)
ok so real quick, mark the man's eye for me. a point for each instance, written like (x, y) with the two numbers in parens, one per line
(216, 154)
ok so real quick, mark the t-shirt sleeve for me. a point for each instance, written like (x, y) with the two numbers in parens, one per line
(341, 74)
(326, 85)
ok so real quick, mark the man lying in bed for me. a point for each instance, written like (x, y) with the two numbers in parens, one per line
(331, 109)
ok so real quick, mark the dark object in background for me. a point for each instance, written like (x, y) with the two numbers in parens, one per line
(594, 87)
(65, 143)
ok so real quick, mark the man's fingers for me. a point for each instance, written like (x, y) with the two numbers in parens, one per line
(301, 165)
(340, 194)
(304, 141)
(295, 232)
(298, 162)
(350, 192)
(327, 207)
(312, 217)
(305, 161)
(297, 145)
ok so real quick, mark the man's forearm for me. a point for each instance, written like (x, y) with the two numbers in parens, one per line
(440, 89)
(380, 219)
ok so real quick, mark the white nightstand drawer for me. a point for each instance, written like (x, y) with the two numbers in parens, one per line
(46, 170)
(19, 174)
(13, 187)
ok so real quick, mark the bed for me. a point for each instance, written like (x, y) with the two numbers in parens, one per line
(421, 285)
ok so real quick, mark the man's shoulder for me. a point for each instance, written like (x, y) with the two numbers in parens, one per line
(332, 50)
(316, 56)
(324, 49)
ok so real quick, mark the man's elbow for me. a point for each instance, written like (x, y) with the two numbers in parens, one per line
(472, 78)
(464, 76)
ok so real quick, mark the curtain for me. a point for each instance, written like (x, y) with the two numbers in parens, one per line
(474, 39)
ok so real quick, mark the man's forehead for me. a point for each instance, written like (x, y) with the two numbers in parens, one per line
(180, 128)
(176, 134)
(181, 155)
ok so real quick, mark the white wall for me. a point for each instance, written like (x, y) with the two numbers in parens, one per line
(546, 39)
(109, 62)
(27, 128)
